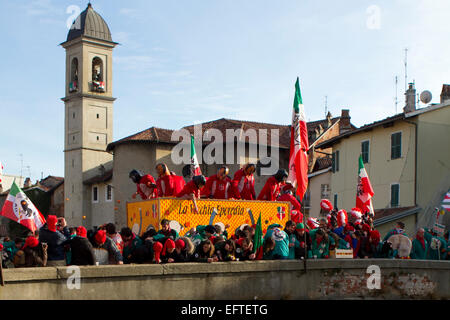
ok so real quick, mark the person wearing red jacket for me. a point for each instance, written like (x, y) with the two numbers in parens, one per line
(146, 186)
(192, 189)
(219, 186)
(271, 189)
(244, 182)
(286, 195)
(168, 183)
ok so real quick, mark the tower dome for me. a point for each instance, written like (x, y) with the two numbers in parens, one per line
(89, 24)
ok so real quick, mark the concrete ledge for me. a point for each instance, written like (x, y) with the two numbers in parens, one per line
(27, 274)
(273, 279)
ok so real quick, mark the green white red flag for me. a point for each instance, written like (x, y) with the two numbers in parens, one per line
(298, 158)
(258, 244)
(364, 190)
(195, 167)
(19, 208)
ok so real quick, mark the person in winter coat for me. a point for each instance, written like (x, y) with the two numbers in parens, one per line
(287, 195)
(225, 250)
(131, 243)
(437, 246)
(319, 244)
(419, 246)
(81, 249)
(35, 253)
(184, 249)
(399, 229)
(281, 239)
(303, 247)
(272, 188)
(290, 231)
(244, 183)
(373, 245)
(55, 240)
(105, 249)
(244, 250)
(268, 247)
(205, 252)
(168, 254)
(115, 236)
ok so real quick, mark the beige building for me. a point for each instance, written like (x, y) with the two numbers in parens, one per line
(407, 159)
(88, 113)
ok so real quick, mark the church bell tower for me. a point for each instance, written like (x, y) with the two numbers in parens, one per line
(88, 116)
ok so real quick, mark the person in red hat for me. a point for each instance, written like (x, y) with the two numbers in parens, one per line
(81, 249)
(55, 239)
(168, 253)
(35, 253)
(244, 182)
(105, 249)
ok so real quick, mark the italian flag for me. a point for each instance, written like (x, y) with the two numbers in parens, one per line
(364, 191)
(258, 245)
(298, 158)
(195, 167)
(19, 208)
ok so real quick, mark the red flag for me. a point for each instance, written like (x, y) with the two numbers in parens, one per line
(298, 158)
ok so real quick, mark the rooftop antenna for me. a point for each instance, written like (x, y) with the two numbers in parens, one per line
(396, 93)
(21, 164)
(406, 69)
(326, 106)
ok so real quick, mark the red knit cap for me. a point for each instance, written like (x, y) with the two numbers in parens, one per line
(349, 228)
(375, 234)
(179, 244)
(169, 244)
(81, 232)
(52, 220)
(157, 248)
(100, 236)
(366, 227)
(30, 242)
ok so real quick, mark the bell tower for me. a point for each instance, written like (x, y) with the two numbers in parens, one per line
(88, 104)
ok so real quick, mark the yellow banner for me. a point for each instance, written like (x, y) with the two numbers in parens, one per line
(143, 215)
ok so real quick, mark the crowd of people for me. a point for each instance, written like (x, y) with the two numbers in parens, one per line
(55, 244)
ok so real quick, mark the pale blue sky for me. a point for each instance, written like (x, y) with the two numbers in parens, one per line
(181, 62)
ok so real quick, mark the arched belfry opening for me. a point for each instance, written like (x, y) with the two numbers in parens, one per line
(73, 84)
(98, 83)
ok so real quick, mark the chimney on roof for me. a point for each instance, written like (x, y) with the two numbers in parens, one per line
(344, 123)
(410, 99)
(445, 94)
(328, 119)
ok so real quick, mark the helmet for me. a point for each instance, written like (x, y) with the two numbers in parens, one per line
(135, 175)
(281, 173)
(199, 180)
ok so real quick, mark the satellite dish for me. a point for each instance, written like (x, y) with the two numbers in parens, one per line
(425, 96)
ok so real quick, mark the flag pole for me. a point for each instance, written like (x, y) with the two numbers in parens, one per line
(2, 282)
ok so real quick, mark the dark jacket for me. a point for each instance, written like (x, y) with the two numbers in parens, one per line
(300, 250)
(55, 241)
(35, 257)
(144, 253)
(114, 254)
(82, 252)
(199, 255)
